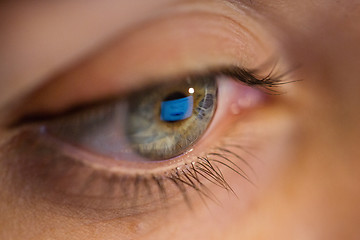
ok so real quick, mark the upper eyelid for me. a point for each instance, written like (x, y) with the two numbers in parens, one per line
(82, 80)
(200, 9)
(82, 49)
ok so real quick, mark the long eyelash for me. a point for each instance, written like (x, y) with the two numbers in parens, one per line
(205, 169)
(251, 77)
(190, 176)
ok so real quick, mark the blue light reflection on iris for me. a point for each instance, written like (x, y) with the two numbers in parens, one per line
(176, 110)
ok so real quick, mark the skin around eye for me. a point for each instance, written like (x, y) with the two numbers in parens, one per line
(87, 185)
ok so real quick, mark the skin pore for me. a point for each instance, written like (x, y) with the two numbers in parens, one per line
(305, 140)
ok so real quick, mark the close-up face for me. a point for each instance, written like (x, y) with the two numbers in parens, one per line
(179, 119)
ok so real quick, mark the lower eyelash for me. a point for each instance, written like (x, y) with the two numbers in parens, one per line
(193, 176)
(53, 178)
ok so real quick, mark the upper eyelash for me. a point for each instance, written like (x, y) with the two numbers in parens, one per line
(250, 77)
(270, 82)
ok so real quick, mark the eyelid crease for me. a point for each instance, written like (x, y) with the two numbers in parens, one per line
(227, 42)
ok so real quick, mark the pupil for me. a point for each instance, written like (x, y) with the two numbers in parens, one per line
(176, 107)
(174, 96)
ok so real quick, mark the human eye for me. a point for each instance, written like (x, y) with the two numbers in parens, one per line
(145, 124)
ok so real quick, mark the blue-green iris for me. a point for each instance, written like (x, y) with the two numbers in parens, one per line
(164, 121)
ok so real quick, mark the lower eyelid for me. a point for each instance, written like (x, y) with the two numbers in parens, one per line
(43, 174)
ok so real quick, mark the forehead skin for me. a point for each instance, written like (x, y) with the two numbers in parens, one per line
(318, 196)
